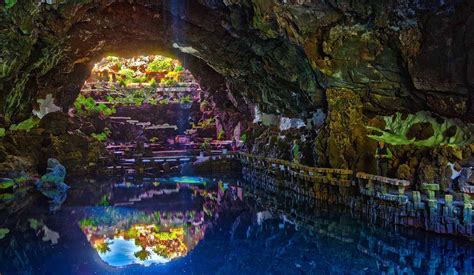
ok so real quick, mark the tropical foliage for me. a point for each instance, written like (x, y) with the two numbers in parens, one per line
(159, 64)
(88, 106)
(445, 131)
(102, 136)
(25, 125)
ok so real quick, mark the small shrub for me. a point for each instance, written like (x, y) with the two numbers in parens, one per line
(100, 137)
(160, 64)
(88, 106)
(220, 135)
(165, 101)
(25, 125)
(185, 99)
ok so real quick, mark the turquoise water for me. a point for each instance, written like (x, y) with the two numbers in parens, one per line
(188, 225)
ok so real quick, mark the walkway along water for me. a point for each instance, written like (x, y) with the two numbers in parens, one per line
(386, 199)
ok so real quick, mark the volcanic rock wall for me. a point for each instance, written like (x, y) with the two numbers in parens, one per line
(288, 57)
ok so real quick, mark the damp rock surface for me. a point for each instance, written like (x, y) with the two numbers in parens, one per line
(282, 55)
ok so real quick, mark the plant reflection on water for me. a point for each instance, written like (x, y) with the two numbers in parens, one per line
(164, 227)
(124, 236)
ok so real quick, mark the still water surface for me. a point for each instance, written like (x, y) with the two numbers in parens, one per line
(217, 225)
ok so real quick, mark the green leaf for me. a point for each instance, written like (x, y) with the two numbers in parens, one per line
(10, 3)
(25, 125)
(6, 183)
(4, 232)
(35, 224)
(7, 197)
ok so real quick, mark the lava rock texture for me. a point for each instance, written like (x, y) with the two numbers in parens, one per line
(284, 55)
(357, 60)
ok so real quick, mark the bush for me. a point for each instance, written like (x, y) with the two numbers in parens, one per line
(220, 135)
(88, 106)
(25, 125)
(185, 99)
(160, 64)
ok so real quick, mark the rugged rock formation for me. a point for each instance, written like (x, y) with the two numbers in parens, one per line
(28, 151)
(398, 56)
(288, 57)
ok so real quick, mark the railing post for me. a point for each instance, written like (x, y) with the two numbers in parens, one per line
(417, 199)
(467, 211)
(370, 187)
(448, 206)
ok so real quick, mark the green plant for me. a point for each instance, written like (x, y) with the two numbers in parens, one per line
(100, 137)
(3, 232)
(25, 125)
(206, 146)
(2, 132)
(84, 104)
(104, 201)
(220, 135)
(7, 183)
(152, 101)
(21, 180)
(243, 138)
(172, 78)
(88, 222)
(126, 76)
(168, 82)
(6, 197)
(207, 123)
(10, 3)
(35, 224)
(185, 99)
(105, 110)
(160, 64)
(165, 101)
(103, 247)
(397, 128)
(127, 73)
(153, 83)
(87, 106)
(139, 79)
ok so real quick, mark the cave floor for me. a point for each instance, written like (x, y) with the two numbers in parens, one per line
(209, 225)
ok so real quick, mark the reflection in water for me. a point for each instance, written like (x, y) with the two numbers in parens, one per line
(136, 237)
(188, 180)
(123, 236)
(177, 228)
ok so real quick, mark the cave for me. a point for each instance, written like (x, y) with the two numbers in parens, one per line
(220, 136)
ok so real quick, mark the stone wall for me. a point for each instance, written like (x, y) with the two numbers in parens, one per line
(378, 200)
(283, 55)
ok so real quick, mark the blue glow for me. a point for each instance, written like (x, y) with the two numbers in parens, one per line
(188, 180)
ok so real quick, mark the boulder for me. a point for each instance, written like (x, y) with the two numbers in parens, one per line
(56, 123)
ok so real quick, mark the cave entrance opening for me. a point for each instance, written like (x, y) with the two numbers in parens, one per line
(147, 108)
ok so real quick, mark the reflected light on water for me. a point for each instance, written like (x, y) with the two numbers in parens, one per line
(123, 252)
(125, 236)
(188, 180)
(155, 242)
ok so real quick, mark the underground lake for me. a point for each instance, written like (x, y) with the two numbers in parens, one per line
(215, 226)
(236, 137)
